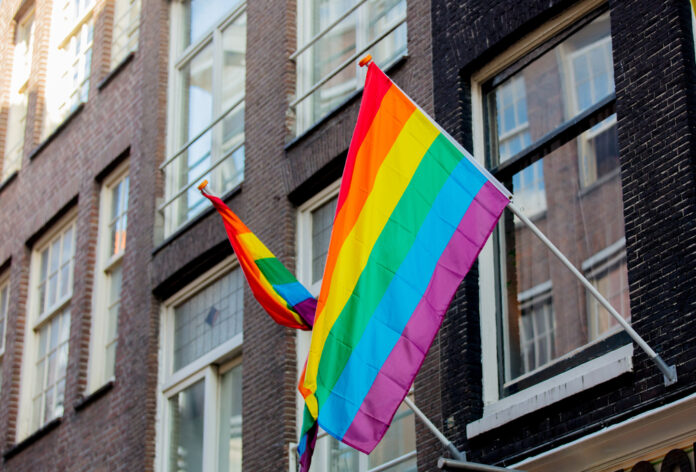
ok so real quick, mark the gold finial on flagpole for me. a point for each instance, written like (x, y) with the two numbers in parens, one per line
(202, 185)
(365, 60)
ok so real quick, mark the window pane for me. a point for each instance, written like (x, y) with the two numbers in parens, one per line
(230, 434)
(202, 15)
(554, 88)
(233, 61)
(51, 366)
(186, 429)
(585, 225)
(343, 458)
(399, 440)
(328, 55)
(4, 304)
(322, 222)
(208, 319)
(125, 33)
(118, 217)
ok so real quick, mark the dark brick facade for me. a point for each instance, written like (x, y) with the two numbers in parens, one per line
(654, 75)
(126, 118)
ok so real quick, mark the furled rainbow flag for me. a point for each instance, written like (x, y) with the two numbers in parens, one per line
(413, 213)
(287, 301)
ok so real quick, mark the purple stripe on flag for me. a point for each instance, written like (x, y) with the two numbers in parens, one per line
(399, 370)
(306, 309)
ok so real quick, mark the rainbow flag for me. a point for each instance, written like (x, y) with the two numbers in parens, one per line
(286, 300)
(413, 212)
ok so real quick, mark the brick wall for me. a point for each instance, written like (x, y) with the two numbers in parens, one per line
(654, 76)
(116, 430)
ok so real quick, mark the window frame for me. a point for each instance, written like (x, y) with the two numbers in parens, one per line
(209, 367)
(178, 59)
(105, 264)
(302, 341)
(131, 29)
(63, 35)
(499, 409)
(304, 58)
(36, 321)
(19, 87)
(5, 310)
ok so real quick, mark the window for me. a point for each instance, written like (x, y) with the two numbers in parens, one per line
(17, 114)
(201, 386)
(398, 447)
(536, 327)
(48, 327)
(331, 36)
(4, 312)
(608, 273)
(124, 38)
(113, 222)
(70, 60)
(206, 105)
(550, 136)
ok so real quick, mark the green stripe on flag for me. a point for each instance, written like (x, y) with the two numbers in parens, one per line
(390, 250)
(275, 272)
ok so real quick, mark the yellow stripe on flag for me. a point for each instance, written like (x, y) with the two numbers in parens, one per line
(405, 155)
(254, 246)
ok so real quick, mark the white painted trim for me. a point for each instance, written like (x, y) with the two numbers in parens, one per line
(209, 366)
(604, 254)
(611, 447)
(4, 283)
(104, 264)
(29, 350)
(228, 349)
(534, 291)
(546, 393)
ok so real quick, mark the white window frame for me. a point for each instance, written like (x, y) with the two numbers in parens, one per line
(609, 258)
(304, 258)
(178, 60)
(129, 24)
(4, 285)
(106, 263)
(59, 94)
(541, 295)
(497, 411)
(36, 322)
(210, 367)
(304, 57)
(21, 71)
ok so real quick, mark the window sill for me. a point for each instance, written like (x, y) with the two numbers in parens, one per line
(37, 150)
(193, 221)
(29, 440)
(115, 71)
(599, 182)
(87, 400)
(10, 178)
(571, 382)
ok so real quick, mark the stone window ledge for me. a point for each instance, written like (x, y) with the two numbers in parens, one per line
(28, 441)
(543, 394)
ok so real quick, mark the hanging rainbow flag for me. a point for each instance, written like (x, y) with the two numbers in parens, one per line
(287, 301)
(413, 212)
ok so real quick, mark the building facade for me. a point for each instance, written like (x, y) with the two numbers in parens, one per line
(128, 337)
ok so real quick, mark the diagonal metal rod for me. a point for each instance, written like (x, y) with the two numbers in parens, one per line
(460, 456)
(443, 463)
(669, 372)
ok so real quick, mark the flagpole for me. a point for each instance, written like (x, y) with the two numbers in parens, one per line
(669, 372)
(460, 456)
